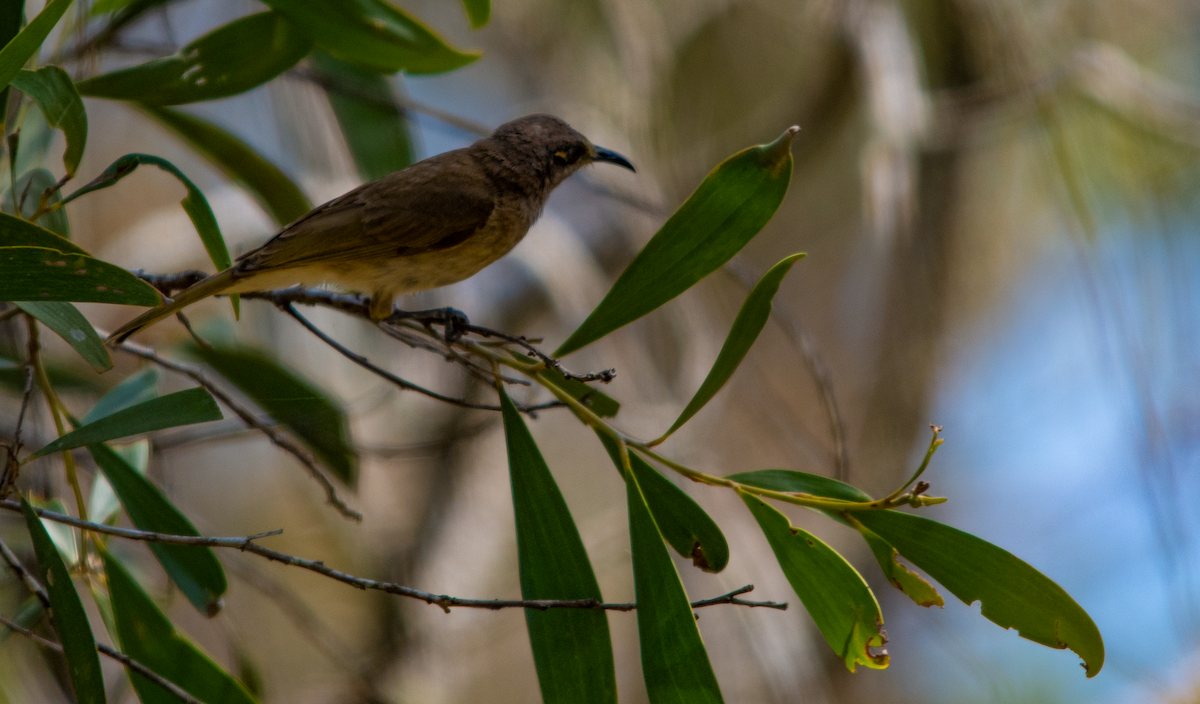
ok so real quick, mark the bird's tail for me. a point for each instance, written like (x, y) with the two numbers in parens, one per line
(200, 290)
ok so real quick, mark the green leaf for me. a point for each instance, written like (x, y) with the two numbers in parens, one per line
(751, 319)
(1014, 595)
(15, 232)
(297, 404)
(282, 198)
(597, 401)
(28, 615)
(374, 128)
(229, 60)
(139, 387)
(898, 575)
(147, 635)
(193, 568)
(31, 186)
(675, 664)
(800, 482)
(39, 274)
(834, 593)
(66, 320)
(63, 536)
(103, 505)
(180, 408)
(374, 35)
(478, 12)
(727, 210)
(70, 620)
(23, 46)
(62, 107)
(571, 647)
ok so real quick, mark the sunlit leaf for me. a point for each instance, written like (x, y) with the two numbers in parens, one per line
(1014, 595)
(898, 575)
(66, 320)
(571, 647)
(800, 482)
(282, 198)
(62, 107)
(675, 664)
(30, 188)
(833, 592)
(726, 211)
(228, 60)
(39, 274)
(180, 408)
(478, 12)
(373, 34)
(63, 536)
(70, 620)
(23, 46)
(147, 635)
(15, 232)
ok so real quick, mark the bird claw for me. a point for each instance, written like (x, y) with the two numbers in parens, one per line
(452, 320)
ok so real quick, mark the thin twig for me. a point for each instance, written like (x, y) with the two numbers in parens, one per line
(23, 574)
(11, 465)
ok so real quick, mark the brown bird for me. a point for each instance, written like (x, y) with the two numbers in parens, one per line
(436, 222)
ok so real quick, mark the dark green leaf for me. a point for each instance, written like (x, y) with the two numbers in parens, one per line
(62, 107)
(571, 647)
(675, 664)
(136, 389)
(62, 377)
(898, 575)
(31, 186)
(374, 128)
(800, 482)
(282, 198)
(727, 210)
(39, 274)
(66, 320)
(12, 15)
(749, 323)
(1014, 595)
(373, 34)
(70, 620)
(23, 46)
(478, 12)
(834, 593)
(231, 59)
(146, 635)
(103, 506)
(306, 410)
(15, 232)
(180, 408)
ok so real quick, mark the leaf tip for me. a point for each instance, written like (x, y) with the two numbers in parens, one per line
(778, 154)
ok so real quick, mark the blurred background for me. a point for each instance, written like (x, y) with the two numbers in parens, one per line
(1000, 202)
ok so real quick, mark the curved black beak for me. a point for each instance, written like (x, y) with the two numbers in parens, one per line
(612, 157)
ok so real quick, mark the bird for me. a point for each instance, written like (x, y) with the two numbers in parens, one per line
(430, 224)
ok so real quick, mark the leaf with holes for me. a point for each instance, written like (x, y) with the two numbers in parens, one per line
(66, 320)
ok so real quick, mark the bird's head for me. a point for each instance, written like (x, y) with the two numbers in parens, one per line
(548, 147)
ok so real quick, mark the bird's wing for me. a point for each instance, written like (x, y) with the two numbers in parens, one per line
(426, 207)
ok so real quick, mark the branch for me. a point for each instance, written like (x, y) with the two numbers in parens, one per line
(23, 574)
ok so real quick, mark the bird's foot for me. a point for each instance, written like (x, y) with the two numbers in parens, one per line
(453, 321)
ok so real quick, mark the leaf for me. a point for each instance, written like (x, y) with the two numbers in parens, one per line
(800, 482)
(15, 232)
(62, 107)
(675, 664)
(180, 408)
(137, 388)
(751, 319)
(571, 647)
(228, 60)
(63, 536)
(374, 128)
(726, 211)
(374, 35)
(23, 46)
(39, 274)
(66, 320)
(297, 404)
(103, 505)
(193, 568)
(1014, 595)
(478, 12)
(70, 620)
(834, 593)
(28, 615)
(597, 401)
(31, 186)
(146, 635)
(282, 198)
(898, 575)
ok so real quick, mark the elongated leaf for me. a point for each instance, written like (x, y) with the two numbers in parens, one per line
(66, 320)
(15, 232)
(136, 389)
(834, 592)
(103, 505)
(70, 620)
(146, 635)
(39, 274)
(231, 59)
(478, 12)
(571, 647)
(1014, 595)
(801, 483)
(727, 210)
(63, 536)
(62, 107)
(684, 525)
(12, 14)
(675, 664)
(32, 185)
(297, 404)
(373, 34)
(898, 575)
(374, 128)
(282, 198)
(180, 408)
(751, 319)
(23, 46)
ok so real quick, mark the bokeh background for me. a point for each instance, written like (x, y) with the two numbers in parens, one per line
(999, 201)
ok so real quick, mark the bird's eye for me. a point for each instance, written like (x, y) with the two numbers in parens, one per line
(563, 156)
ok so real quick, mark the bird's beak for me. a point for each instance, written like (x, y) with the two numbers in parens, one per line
(612, 157)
